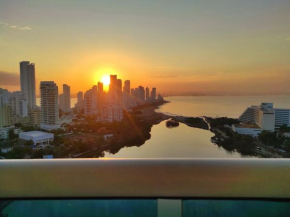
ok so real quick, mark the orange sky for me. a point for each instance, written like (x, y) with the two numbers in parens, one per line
(183, 48)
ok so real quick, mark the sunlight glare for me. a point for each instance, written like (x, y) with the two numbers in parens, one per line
(106, 80)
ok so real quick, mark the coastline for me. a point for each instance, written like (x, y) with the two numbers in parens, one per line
(89, 138)
(135, 130)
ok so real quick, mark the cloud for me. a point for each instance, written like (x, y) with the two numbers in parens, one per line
(9, 78)
(15, 27)
(25, 28)
(4, 24)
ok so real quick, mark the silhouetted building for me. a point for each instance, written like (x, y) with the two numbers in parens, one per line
(66, 97)
(27, 82)
(126, 88)
(147, 94)
(91, 101)
(61, 101)
(153, 94)
(127, 100)
(141, 93)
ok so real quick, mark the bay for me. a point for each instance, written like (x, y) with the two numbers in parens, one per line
(187, 142)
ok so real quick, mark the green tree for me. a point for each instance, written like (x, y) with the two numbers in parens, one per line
(12, 135)
(39, 153)
(284, 128)
(268, 138)
(29, 143)
(28, 128)
(18, 153)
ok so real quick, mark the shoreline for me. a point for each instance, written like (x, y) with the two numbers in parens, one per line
(140, 122)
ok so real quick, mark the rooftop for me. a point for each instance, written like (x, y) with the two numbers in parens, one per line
(36, 133)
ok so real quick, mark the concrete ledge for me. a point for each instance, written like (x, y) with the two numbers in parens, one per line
(211, 178)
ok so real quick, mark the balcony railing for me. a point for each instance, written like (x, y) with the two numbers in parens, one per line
(171, 180)
(250, 178)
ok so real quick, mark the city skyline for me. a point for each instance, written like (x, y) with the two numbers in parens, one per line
(102, 106)
(184, 48)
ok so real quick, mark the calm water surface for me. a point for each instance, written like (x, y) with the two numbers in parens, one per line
(218, 106)
(187, 142)
(179, 142)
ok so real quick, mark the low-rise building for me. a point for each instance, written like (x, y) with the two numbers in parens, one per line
(38, 137)
(6, 149)
(247, 129)
(4, 132)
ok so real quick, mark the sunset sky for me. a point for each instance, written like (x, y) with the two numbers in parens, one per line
(180, 47)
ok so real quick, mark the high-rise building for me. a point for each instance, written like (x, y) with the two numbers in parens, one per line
(91, 101)
(101, 95)
(126, 95)
(115, 90)
(66, 97)
(141, 94)
(112, 89)
(6, 116)
(119, 91)
(61, 102)
(147, 94)
(80, 97)
(136, 93)
(127, 87)
(132, 91)
(111, 112)
(34, 117)
(153, 94)
(18, 103)
(88, 100)
(4, 97)
(49, 105)
(80, 101)
(266, 117)
(27, 82)
(100, 87)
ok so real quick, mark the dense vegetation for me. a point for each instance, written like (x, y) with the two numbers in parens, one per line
(218, 122)
(196, 122)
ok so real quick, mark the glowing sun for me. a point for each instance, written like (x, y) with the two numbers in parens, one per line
(106, 80)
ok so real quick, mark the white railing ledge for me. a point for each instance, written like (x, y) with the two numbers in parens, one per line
(154, 178)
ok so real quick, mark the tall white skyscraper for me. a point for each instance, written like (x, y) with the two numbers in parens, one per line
(66, 97)
(49, 104)
(27, 82)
